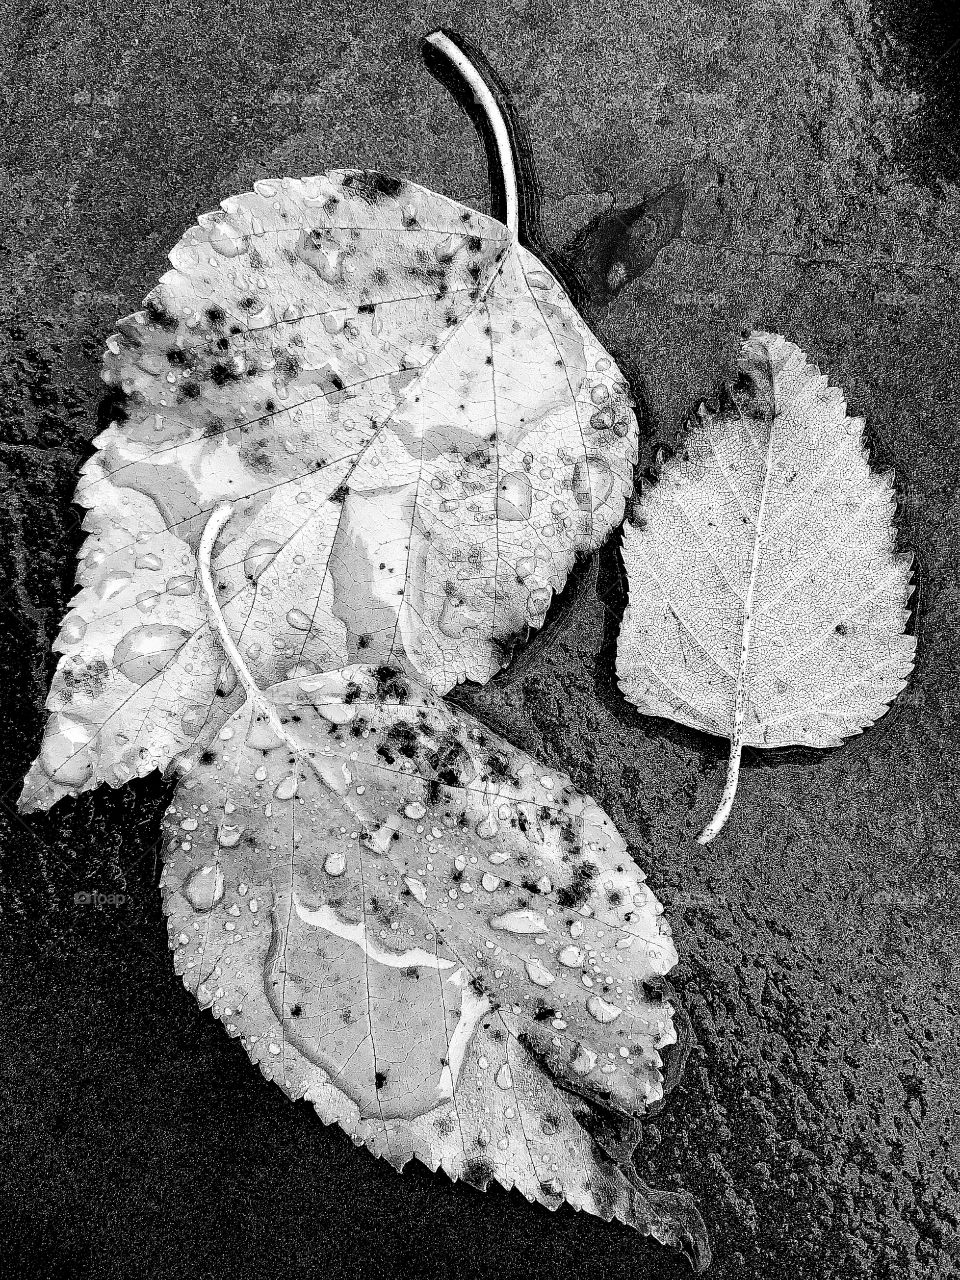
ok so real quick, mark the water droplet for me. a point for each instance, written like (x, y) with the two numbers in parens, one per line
(602, 1010)
(514, 496)
(228, 836)
(72, 632)
(489, 881)
(584, 1060)
(259, 556)
(147, 601)
(227, 240)
(600, 394)
(592, 481)
(150, 562)
(414, 810)
(337, 712)
(286, 788)
(299, 620)
(193, 720)
(113, 584)
(524, 921)
(571, 957)
(336, 864)
(416, 888)
(537, 603)
(226, 678)
(576, 929)
(203, 888)
(260, 774)
(181, 584)
(504, 1077)
(538, 973)
(66, 755)
(145, 651)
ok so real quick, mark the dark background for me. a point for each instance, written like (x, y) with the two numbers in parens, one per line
(814, 149)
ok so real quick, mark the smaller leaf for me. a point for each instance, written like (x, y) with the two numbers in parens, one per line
(767, 604)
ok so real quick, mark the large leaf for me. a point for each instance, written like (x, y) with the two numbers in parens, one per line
(418, 434)
(439, 943)
(767, 604)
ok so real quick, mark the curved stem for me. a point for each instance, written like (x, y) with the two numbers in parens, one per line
(264, 707)
(716, 823)
(498, 125)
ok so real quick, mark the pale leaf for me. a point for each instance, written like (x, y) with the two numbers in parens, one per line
(440, 944)
(767, 604)
(417, 433)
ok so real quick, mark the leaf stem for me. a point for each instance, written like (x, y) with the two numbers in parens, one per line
(716, 823)
(740, 700)
(264, 707)
(498, 125)
(211, 532)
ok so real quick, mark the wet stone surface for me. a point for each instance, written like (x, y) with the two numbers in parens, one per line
(816, 1120)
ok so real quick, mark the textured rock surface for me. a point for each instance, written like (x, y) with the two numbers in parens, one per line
(817, 1118)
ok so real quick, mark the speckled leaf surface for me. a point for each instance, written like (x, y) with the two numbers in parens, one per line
(767, 604)
(443, 946)
(416, 430)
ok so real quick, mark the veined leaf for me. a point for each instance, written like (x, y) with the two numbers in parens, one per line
(416, 431)
(766, 602)
(439, 943)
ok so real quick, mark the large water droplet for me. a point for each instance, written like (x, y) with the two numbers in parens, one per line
(113, 584)
(226, 678)
(416, 888)
(592, 481)
(299, 620)
(524, 921)
(66, 755)
(504, 1077)
(228, 836)
(286, 788)
(72, 632)
(203, 888)
(602, 1010)
(181, 584)
(145, 651)
(260, 555)
(336, 863)
(571, 957)
(538, 973)
(583, 1061)
(227, 240)
(514, 496)
(150, 561)
(193, 720)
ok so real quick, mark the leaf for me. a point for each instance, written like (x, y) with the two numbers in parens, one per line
(439, 943)
(418, 435)
(766, 602)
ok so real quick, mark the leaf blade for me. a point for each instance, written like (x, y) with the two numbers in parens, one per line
(391, 971)
(325, 341)
(765, 625)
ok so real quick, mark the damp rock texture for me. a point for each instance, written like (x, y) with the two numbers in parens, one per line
(790, 178)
